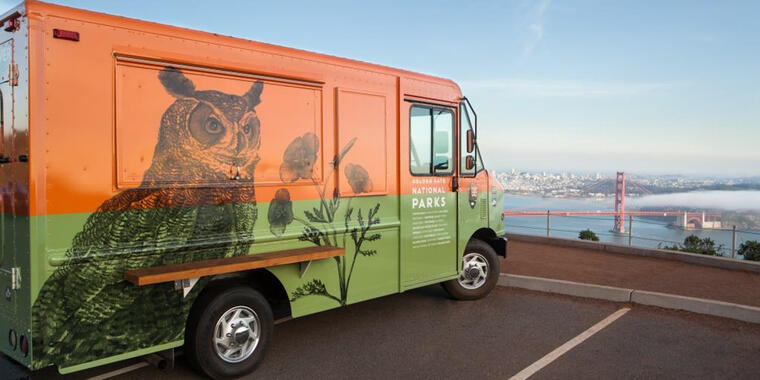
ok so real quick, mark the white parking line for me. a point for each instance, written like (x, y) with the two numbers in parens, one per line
(569, 345)
(119, 371)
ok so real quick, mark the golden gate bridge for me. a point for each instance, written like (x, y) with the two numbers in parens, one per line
(684, 219)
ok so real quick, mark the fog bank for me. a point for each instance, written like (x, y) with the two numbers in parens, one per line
(719, 199)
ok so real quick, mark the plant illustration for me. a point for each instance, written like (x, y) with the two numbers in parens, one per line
(319, 223)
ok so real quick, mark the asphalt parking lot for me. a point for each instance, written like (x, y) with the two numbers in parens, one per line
(422, 334)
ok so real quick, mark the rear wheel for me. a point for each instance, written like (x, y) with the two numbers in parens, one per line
(228, 332)
(480, 272)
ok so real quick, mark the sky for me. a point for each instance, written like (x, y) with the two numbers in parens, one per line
(649, 87)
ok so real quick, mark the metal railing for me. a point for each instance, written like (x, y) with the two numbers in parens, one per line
(724, 250)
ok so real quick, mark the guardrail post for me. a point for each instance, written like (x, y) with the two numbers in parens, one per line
(733, 243)
(630, 230)
(547, 222)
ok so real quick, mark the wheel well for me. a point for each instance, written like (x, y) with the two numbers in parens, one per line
(264, 282)
(489, 236)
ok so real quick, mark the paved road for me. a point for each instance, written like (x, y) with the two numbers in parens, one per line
(424, 335)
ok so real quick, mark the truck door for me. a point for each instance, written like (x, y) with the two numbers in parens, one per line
(428, 200)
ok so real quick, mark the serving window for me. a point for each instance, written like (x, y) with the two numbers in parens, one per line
(225, 121)
(362, 142)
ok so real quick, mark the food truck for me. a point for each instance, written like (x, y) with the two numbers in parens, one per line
(168, 188)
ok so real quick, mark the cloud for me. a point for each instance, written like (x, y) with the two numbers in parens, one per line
(538, 29)
(543, 88)
(536, 25)
(724, 200)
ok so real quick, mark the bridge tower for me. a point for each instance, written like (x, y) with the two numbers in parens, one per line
(619, 203)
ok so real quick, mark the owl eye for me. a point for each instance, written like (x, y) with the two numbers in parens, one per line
(213, 126)
(252, 130)
(204, 126)
(250, 125)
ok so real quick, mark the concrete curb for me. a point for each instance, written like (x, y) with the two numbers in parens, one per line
(569, 288)
(691, 258)
(698, 305)
(669, 301)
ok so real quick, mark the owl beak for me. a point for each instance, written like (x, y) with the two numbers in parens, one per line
(241, 143)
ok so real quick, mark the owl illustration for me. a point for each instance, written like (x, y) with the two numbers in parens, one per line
(196, 201)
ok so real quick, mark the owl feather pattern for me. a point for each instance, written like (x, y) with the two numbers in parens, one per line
(185, 209)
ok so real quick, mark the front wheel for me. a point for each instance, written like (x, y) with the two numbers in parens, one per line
(480, 272)
(228, 332)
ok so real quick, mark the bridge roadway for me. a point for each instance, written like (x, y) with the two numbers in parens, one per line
(422, 334)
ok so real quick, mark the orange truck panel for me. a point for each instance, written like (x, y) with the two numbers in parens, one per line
(91, 85)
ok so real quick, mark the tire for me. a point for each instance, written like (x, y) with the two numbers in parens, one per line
(240, 305)
(478, 257)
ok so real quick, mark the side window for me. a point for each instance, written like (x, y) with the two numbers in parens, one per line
(443, 141)
(431, 135)
(420, 149)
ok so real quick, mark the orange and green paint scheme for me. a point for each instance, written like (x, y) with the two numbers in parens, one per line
(143, 144)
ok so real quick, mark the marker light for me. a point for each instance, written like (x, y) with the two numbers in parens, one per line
(24, 345)
(12, 339)
(66, 34)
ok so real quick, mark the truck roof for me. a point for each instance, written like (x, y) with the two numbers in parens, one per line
(42, 9)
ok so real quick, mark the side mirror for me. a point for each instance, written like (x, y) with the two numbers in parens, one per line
(470, 141)
(469, 162)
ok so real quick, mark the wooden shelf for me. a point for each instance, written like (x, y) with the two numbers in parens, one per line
(172, 272)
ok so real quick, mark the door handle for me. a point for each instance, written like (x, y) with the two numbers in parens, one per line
(454, 184)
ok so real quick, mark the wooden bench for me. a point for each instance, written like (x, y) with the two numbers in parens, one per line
(197, 269)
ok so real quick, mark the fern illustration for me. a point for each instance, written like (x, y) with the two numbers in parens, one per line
(319, 223)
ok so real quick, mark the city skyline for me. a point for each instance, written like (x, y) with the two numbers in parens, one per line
(642, 191)
(585, 86)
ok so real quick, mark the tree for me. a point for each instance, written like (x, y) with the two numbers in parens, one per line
(694, 244)
(705, 246)
(750, 249)
(587, 234)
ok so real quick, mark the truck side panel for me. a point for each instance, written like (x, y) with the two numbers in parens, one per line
(155, 146)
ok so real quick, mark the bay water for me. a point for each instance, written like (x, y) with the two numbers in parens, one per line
(647, 232)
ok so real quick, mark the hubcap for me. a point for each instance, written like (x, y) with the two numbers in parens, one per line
(237, 334)
(474, 271)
